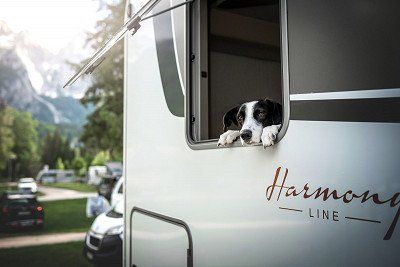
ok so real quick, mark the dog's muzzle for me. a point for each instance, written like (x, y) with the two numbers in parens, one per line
(246, 136)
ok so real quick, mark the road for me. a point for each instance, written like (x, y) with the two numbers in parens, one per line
(38, 240)
(52, 194)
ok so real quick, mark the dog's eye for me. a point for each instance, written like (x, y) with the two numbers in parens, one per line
(261, 115)
(240, 119)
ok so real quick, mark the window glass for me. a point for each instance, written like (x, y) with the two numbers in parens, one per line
(343, 45)
(238, 48)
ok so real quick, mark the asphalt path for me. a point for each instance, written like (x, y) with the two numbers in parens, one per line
(38, 240)
(52, 194)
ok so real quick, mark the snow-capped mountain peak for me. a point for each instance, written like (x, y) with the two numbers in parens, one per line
(31, 76)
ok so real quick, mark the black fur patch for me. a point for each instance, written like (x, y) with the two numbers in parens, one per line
(266, 112)
(230, 117)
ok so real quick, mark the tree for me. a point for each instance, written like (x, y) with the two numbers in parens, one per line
(101, 158)
(25, 147)
(104, 128)
(6, 135)
(54, 146)
(79, 164)
(60, 164)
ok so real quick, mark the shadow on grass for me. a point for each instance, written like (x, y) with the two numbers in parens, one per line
(67, 254)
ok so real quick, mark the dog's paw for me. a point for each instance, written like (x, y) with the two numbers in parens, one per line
(228, 137)
(269, 135)
(268, 139)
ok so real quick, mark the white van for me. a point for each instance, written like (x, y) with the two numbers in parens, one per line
(117, 194)
(103, 242)
(326, 194)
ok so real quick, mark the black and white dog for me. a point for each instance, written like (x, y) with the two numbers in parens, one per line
(260, 121)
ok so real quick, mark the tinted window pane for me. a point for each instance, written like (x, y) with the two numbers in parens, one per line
(343, 45)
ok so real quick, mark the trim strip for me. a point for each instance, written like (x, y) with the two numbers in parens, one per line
(379, 93)
(354, 110)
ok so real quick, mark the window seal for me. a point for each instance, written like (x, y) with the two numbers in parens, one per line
(212, 143)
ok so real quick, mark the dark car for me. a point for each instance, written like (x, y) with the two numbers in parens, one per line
(18, 210)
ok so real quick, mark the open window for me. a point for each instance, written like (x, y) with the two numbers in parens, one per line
(235, 57)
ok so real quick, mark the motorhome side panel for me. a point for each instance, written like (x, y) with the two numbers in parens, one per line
(325, 195)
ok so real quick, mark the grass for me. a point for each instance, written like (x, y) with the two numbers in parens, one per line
(67, 254)
(75, 186)
(60, 216)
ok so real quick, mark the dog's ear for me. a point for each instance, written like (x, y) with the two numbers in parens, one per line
(275, 111)
(230, 117)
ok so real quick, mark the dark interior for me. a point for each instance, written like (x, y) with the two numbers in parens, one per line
(244, 56)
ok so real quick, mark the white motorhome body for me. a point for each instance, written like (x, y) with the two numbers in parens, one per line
(327, 194)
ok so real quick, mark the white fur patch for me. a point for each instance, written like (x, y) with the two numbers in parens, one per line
(251, 124)
(269, 134)
(228, 137)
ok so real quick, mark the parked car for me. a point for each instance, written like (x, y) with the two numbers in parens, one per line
(27, 184)
(103, 242)
(117, 193)
(20, 210)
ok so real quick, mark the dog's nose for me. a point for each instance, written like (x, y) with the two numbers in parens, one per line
(246, 135)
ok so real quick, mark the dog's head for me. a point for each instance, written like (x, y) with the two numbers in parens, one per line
(252, 117)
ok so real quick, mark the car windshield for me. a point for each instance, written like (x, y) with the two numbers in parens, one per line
(116, 211)
(21, 202)
(26, 180)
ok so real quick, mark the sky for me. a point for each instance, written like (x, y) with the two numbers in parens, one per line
(52, 23)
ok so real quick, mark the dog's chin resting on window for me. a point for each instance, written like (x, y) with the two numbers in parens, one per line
(259, 121)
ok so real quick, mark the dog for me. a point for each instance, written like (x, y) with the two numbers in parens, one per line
(260, 121)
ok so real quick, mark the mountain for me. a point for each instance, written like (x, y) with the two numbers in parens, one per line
(71, 109)
(31, 79)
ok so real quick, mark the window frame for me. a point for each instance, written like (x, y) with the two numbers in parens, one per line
(194, 64)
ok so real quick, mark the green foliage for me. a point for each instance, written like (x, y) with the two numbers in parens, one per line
(79, 164)
(6, 135)
(27, 160)
(67, 130)
(60, 164)
(18, 142)
(101, 158)
(103, 130)
(55, 146)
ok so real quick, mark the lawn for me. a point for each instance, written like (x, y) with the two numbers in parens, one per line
(67, 254)
(75, 186)
(60, 216)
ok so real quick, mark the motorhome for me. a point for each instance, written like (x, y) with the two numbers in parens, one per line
(95, 173)
(55, 176)
(326, 194)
